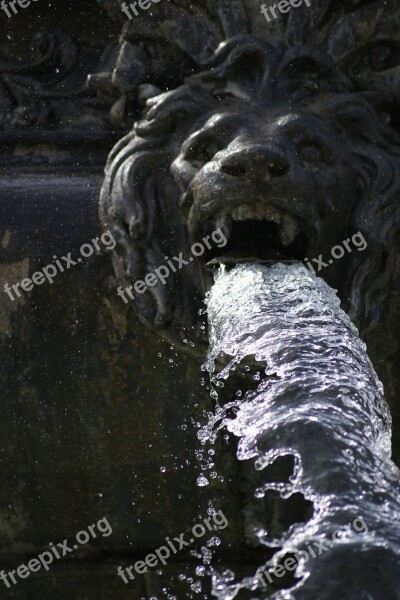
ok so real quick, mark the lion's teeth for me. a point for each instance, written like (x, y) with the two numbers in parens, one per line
(224, 223)
(257, 212)
(243, 213)
(272, 214)
(288, 230)
(287, 226)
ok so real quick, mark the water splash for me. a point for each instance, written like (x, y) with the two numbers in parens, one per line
(308, 392)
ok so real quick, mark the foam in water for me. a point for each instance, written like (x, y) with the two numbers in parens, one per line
(314, 397)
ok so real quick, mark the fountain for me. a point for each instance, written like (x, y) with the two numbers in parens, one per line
(314, 396)
(284, 136)
(287, 141)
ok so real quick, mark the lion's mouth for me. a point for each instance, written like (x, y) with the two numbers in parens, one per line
(259, 233)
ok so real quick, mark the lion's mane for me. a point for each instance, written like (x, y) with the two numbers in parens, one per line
(140, 201)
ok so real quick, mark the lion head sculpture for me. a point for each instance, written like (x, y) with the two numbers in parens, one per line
(274, 147)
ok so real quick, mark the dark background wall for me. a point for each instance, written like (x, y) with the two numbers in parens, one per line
(99, 416)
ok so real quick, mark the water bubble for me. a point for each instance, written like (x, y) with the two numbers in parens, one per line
(207, 555)
(259, 493)
(214, 541)
(202, 481)
(196, 587)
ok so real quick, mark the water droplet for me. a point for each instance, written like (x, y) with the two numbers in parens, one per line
(202, 481)
(214, 541)
(259, 493)
(196, 587)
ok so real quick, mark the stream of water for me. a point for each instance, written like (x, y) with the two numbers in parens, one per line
(312, 394)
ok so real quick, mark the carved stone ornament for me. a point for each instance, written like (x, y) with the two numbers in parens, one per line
(49, 91)
(295, 121)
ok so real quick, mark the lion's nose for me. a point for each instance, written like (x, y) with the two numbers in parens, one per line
(258, 162)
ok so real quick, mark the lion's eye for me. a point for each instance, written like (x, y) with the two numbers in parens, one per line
(310, 154)
(309, 86)
(383, 57)
(224, 95)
